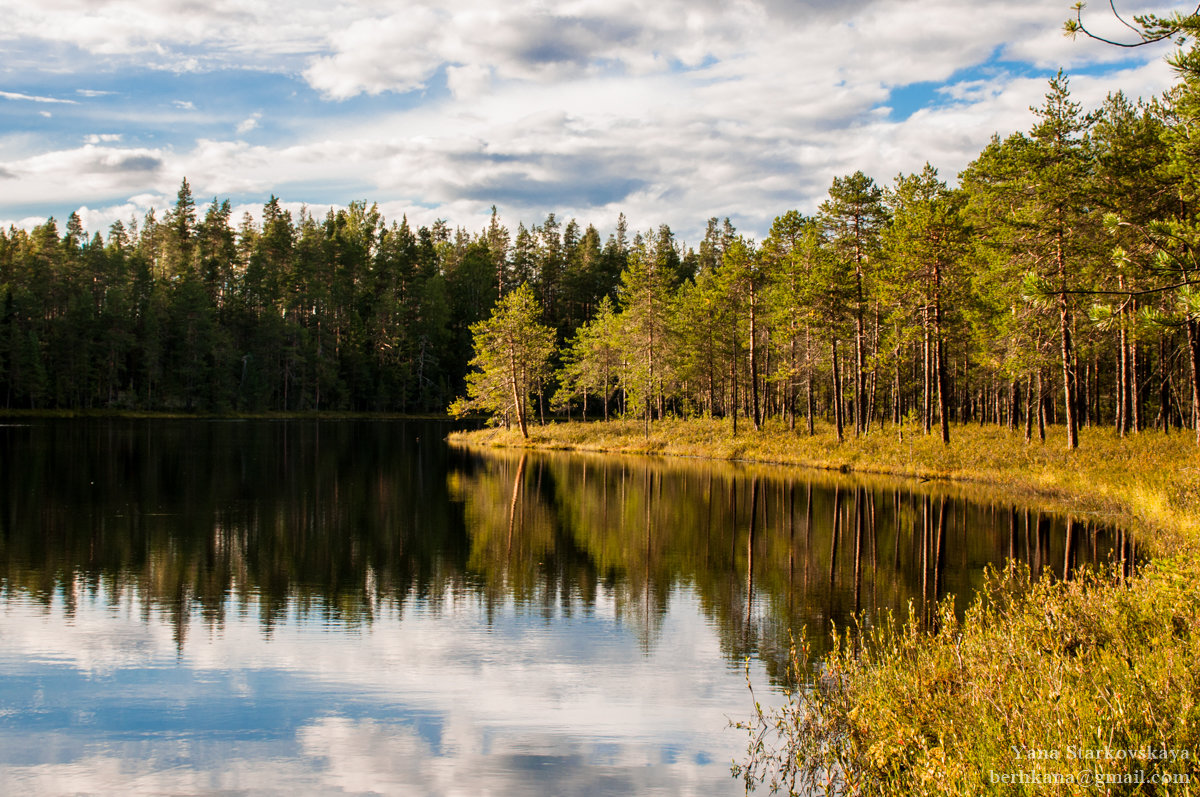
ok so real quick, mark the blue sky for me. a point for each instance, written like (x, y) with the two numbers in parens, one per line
(670, 114)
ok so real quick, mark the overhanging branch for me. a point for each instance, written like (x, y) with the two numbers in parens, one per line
(1152, 28)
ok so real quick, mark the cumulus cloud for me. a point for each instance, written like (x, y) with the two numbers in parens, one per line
(372, 55)
(92, 171)
(671, 112)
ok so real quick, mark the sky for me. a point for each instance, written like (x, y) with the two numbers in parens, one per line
(670, 112)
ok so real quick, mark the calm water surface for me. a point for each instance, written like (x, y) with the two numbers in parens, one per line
(346, 607)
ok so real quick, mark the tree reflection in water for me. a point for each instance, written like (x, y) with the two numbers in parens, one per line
(345, 520)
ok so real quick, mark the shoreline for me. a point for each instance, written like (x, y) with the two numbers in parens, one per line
(1035, 664)
(1136, 481)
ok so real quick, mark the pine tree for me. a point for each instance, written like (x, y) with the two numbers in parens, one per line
(512, 356)
(924, 245)
(853, 218)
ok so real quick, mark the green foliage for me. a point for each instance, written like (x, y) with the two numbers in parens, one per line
(512, 358)
(592, 360)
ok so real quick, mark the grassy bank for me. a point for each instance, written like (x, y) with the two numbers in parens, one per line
(1088, 687)
(1150, 482)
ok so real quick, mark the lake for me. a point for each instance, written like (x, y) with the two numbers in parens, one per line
(354, 607)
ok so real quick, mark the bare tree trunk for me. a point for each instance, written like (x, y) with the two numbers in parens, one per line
(1041, 410)
(837, 393)
(755, 410)
(1135, 415)
(1164, 384)
(733, 402)
(518, 404)
(939, 354)
(1123, 381)
(791, 383)
(1028, 408)
(874, 386)
(1064, 317)
(808, 381)
(859, 385)
(1194, 346)
(897, 399)
(943, 415)
(927, 401)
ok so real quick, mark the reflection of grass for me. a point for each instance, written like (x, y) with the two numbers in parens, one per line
(1150, 482)
(1086, 668)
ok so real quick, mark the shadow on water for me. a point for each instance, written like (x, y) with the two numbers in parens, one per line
(344, 520)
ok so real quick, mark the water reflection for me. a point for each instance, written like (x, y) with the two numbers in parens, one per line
(767, 553)
(354, 606)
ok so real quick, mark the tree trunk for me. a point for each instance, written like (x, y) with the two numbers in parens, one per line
(1041, 407)
(808, 380)
(755, 408)
(1064, 317)
(837, 393)
(1164, 384)
(943, 416)
(1135, 415)
(1068, 376)
(1193, 333)
(859, 382)
(1028, 408)
(927, 388)
(1122, 382)
(733, 400)
(517, 403)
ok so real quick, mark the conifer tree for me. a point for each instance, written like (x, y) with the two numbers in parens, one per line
(853, 218)
(512, 356)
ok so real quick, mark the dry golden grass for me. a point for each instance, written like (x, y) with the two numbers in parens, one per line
(1149, 481)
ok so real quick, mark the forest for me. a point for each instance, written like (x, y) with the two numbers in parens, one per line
(1055, 283)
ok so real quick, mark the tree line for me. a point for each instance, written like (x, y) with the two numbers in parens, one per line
(1055, 284)
(192, 311)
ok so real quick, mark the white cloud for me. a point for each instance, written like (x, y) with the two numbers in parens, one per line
(249, 123)
(12, 95)
(672, 112)
(501, 694)
(359, 63)
(469, 82)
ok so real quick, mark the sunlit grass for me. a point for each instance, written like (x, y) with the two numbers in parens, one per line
(1038, 683)
(1149, 481)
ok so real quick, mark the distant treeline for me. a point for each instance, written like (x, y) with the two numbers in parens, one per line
(1057, 284)
(346, 312)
